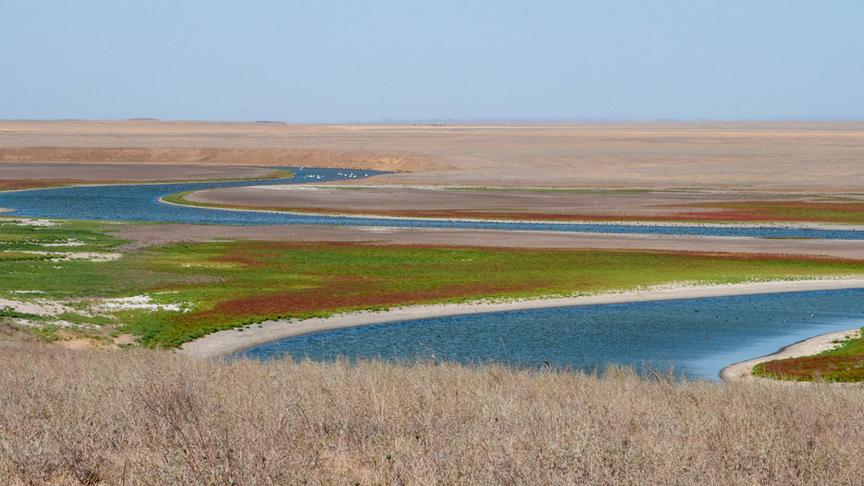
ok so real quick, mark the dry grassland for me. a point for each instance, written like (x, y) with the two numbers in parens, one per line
(133, 417)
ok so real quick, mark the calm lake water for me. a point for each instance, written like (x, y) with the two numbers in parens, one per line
(140, 203)
(695, 338)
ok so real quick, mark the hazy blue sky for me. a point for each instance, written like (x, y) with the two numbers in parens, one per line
(330, 61)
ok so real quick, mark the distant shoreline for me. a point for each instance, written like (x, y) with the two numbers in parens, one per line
(226, 342)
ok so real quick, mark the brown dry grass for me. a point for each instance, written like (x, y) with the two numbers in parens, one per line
(150, 417)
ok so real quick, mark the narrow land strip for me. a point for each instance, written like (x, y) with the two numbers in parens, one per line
(143, 235)
(226, 342)
(561, 204)
(743, 371)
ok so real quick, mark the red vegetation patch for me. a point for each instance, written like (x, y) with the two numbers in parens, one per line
(788, 211)
(840, 368)
(810, 205)
(242, 258)
(341, 293)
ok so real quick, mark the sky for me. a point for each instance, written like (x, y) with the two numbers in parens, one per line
(326, 61)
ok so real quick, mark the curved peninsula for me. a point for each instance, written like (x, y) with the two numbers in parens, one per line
(745, 370)
(227, 342)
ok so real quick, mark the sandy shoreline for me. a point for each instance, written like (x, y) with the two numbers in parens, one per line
(743, 371)
(226, 342)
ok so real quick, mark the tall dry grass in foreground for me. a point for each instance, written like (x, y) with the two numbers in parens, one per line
(153, 417)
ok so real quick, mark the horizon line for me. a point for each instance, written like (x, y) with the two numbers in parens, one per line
(457, 121)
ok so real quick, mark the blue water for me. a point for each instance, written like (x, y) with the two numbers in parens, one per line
(140, 203)
(694, 338)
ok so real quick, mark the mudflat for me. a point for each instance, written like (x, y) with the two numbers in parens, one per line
(794, 156)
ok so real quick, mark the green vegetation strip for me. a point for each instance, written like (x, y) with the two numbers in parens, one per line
(843, 364)
(196, 289)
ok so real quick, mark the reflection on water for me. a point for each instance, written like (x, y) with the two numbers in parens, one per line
(692, 337)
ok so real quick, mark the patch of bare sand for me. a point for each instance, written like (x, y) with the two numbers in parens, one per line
(39, 307)
(754, 156)
(92, 256)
